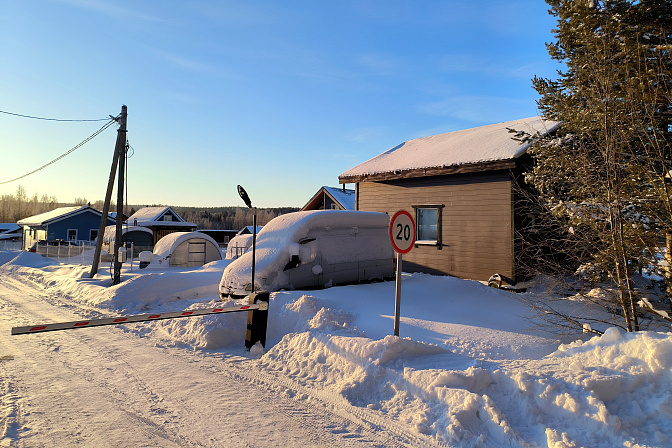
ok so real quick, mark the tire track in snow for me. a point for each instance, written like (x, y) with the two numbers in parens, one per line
(63, 383)
(104, 363)
(375, 426)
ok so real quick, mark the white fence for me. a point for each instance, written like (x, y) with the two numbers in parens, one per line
(10, 245)
(71, 252)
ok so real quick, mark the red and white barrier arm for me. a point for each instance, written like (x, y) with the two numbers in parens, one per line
(137, 318)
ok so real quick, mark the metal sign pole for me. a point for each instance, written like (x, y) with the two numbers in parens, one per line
(254, 244)
(397, 297)
(246, 198)
(402, 237)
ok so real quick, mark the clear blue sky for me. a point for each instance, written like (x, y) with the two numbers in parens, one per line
(279, 96)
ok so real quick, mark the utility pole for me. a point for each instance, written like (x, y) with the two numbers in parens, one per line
(121, 144)
(120, 196)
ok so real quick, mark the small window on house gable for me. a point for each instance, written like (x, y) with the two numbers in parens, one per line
(428, 224)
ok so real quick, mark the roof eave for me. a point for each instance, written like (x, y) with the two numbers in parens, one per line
(314, 198)
(431, 171)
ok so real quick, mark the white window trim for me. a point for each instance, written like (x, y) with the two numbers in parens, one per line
(68, 234)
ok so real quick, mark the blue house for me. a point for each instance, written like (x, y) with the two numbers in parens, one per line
(80, 223)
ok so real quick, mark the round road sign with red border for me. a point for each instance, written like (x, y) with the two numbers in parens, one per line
(402, 231)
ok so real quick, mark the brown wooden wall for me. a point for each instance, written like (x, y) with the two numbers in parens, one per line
(476, 221)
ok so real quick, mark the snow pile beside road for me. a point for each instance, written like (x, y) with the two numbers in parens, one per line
(632, 374)
(587, 399)
(466, 372)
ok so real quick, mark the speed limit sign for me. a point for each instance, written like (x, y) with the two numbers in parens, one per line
(402, 232)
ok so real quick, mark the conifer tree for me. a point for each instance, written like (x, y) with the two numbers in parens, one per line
(606, 172)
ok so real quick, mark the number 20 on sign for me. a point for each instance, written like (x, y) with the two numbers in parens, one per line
(402, 232)
(402, 235)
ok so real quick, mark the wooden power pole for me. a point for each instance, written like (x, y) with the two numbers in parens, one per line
(120, 198)
(119, 154)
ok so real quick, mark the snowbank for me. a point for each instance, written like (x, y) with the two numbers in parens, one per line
(467, 371)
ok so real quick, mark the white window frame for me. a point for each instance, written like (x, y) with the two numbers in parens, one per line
(68, 234)
(435, 242)
(91, 231)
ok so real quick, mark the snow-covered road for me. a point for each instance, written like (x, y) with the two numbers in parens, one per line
(108, 387)
(468, 371)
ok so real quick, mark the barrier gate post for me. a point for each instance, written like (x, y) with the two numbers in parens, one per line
(257, 321)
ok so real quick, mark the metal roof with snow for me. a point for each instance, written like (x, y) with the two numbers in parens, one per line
(344, 197)
(468, 150)
(159, 217)
(9, 227)
(153, 214)
(56, 215)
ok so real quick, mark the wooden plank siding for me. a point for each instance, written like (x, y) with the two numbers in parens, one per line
(476, 221)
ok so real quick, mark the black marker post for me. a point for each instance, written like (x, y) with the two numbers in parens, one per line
(256, 319)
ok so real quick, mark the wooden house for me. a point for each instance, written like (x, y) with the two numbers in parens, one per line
(331, 198)
(79, 223)
(161, 221)
(248, 230)
(460, 188)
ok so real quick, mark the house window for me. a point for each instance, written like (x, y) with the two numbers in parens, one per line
(72, 234)
(93, 234)
(428, 224)
(334, 207)
(167, 217)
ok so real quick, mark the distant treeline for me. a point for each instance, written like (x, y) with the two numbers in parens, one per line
(14, 207)
(229, 218)
(19, 206)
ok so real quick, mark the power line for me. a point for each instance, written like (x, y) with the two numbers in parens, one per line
(91, 137)
(47, 119)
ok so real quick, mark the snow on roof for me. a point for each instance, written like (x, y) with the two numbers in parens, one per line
(166, 245)
(150, 214)
(6, 227)
(54, 215)
(249, 229)
(345, 197)
(488, 143)
(110, 234)
(153, 216)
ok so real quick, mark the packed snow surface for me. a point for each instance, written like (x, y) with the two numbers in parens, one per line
(468, 369)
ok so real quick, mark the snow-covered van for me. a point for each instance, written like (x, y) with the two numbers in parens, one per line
(314, 249)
